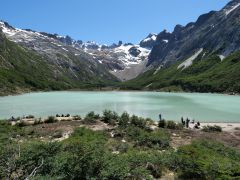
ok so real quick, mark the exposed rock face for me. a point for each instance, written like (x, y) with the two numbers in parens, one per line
(134, 51)
(215, 32)
(149, 41)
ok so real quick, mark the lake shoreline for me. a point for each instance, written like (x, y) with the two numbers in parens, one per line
(112, 90)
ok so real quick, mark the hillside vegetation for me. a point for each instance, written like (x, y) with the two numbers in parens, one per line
(23, 70)
(204, 75)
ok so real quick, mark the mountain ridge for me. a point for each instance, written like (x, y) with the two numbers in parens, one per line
(213, 36)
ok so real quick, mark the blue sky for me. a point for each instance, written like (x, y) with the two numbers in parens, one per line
(104, 21)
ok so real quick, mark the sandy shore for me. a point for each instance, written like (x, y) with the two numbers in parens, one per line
(228, 127)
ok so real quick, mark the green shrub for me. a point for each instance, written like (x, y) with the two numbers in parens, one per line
(21, 123)
(138, 121)
(124, 119)
(77, 118)
(38, 121)
(207, 160)
(173, 125)
(57, 134)
(91, 118)
(29, 117)
(158, 139)
(110, 117)
(7, 132)
(50, 119)
(162, 123)
(214, 128)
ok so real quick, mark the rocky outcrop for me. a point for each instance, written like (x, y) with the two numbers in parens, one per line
(215, 32)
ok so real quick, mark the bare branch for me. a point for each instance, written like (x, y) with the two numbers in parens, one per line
(33, 173)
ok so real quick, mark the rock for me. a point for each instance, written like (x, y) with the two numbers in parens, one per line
(134, 51)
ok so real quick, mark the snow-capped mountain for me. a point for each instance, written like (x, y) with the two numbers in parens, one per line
(125, 61)
(61, 56)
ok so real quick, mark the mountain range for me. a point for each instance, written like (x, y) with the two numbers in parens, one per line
(202, 56)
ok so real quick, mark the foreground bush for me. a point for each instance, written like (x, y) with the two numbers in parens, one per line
(208, 160)
(85, 156)
(214, 128)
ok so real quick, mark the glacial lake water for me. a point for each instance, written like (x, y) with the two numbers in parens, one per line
(172, 106)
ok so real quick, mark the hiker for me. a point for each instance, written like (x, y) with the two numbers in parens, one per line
(183, 122)
(160, 117)
(13, 119)
(198, 123)
(187, 123)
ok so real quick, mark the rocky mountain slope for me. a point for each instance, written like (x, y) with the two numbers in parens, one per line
(43, 65)
(201, 56)
(204, 75)
(124, 61)
(216, 32)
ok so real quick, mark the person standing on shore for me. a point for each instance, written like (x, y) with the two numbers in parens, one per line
(187, 123)
(160, 117)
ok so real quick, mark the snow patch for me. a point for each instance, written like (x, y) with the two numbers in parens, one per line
(65, 49)
(190, 60)
(158, 69)
(227, 12)
(152, 38)
(222, 57)
(165, 40)
(7, 31)
(127, 59)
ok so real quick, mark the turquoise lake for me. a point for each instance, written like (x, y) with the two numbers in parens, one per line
(172, 106)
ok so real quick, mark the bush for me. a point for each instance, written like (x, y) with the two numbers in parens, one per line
(91, 117)
(50, 119)
(21, 123)
(77, 118)
(124, 119)
(214, 128)
(157, 139)
(138, 121)
(68, 115)
(208, 160)
(37, 121)
(57, 134)
(30, 117)
(110, 117)
(162, 123)
(173, 125)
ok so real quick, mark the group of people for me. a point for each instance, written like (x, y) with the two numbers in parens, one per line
(186, 123)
